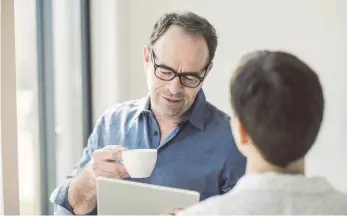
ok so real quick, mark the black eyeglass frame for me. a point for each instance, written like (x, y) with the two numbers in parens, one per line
(176, 74)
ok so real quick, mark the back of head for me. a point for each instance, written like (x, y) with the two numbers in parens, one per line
(279, 101)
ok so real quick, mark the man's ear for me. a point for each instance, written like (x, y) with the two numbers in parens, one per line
(146, 57)
(209, 67)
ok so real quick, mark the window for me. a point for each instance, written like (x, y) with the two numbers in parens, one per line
(52, 125)
(27, 106)
(67, 58)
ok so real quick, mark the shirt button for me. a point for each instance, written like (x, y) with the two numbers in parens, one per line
(155, 133)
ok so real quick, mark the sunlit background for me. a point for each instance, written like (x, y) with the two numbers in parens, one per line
(74, 58)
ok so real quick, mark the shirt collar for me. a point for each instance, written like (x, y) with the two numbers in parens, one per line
(197, 112)
(195, 115)
(143, 106)
(290, 183)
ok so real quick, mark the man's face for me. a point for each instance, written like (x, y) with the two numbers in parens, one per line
(175, 51)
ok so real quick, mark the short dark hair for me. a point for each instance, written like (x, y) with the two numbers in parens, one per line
(279, 101)
(191, 24)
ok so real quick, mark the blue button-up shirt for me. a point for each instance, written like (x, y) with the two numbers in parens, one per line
(199, 154)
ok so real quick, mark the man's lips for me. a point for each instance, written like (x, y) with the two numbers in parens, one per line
(174, 100)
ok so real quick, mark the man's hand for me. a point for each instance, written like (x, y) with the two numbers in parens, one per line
(106, 162)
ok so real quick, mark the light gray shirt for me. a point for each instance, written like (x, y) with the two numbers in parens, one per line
(273, 193)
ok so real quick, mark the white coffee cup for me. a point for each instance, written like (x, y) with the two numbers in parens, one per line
(139, 163)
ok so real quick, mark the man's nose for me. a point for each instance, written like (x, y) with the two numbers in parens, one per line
(175, 86)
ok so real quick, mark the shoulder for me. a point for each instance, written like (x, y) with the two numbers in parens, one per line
(215, 205)
(113, 124)
(230, 203)
(125, 108)
(216, 113)
(338, 200)
(217, 122)
(119, 115)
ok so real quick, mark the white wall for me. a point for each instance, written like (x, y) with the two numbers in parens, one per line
(8, 116)
(110, 52)
(315, 30)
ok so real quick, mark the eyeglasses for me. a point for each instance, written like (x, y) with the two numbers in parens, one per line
(187, 79)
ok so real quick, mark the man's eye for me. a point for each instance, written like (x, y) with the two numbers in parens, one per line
(165, 71)
(191, 78)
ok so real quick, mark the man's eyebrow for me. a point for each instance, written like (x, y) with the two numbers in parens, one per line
(161, 65)
(202, 71)
(197, 73)
(166, 67)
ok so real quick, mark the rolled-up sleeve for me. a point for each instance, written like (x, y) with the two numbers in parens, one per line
(59, 196)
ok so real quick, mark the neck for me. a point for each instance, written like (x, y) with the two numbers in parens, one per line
(163, 119)
(259, 165)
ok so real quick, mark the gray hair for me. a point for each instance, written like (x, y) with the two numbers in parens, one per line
(191, 24)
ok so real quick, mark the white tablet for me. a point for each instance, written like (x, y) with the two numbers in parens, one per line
(121, 197)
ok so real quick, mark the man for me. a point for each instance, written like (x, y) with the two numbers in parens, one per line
(196, 149)
(278, 105)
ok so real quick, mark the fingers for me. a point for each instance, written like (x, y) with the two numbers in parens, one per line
(116, 154)
(122, 172)
(109, 166)
(110, 169)
(104, 164)
(101, 173)
(115, 175)
(108, 154)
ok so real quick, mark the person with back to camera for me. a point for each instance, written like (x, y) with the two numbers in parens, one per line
(278, 106)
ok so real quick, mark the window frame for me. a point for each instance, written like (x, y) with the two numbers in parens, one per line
(8, 119)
